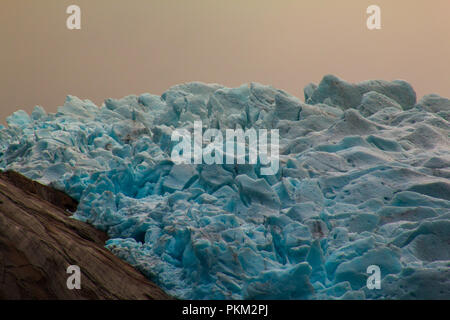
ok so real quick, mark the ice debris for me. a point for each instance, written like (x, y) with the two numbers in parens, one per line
(364, 180)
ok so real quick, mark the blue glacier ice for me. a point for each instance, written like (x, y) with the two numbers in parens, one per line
(364, 180)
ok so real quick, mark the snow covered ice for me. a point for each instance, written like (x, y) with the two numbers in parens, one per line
(364, 180)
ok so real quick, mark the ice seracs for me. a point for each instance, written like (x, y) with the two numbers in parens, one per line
(363, 180)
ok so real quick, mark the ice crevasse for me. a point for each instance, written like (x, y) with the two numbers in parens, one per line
(364, 180)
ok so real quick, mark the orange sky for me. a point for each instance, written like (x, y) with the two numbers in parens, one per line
(135, 46)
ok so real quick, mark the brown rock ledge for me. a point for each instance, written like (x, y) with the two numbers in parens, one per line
(39, 240)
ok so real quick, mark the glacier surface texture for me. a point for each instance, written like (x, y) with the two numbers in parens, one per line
(364, 180)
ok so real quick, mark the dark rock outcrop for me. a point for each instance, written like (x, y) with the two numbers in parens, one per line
(39, 240)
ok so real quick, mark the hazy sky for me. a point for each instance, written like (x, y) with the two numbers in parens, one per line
(136, 46)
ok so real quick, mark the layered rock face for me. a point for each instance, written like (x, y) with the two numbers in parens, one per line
(363, 180)
(39, 241)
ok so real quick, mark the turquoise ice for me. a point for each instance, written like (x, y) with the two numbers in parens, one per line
(364, 180)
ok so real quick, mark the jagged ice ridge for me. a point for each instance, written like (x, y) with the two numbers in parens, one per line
(364, 180)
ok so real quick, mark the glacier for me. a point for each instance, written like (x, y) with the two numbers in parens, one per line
(364, 180)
